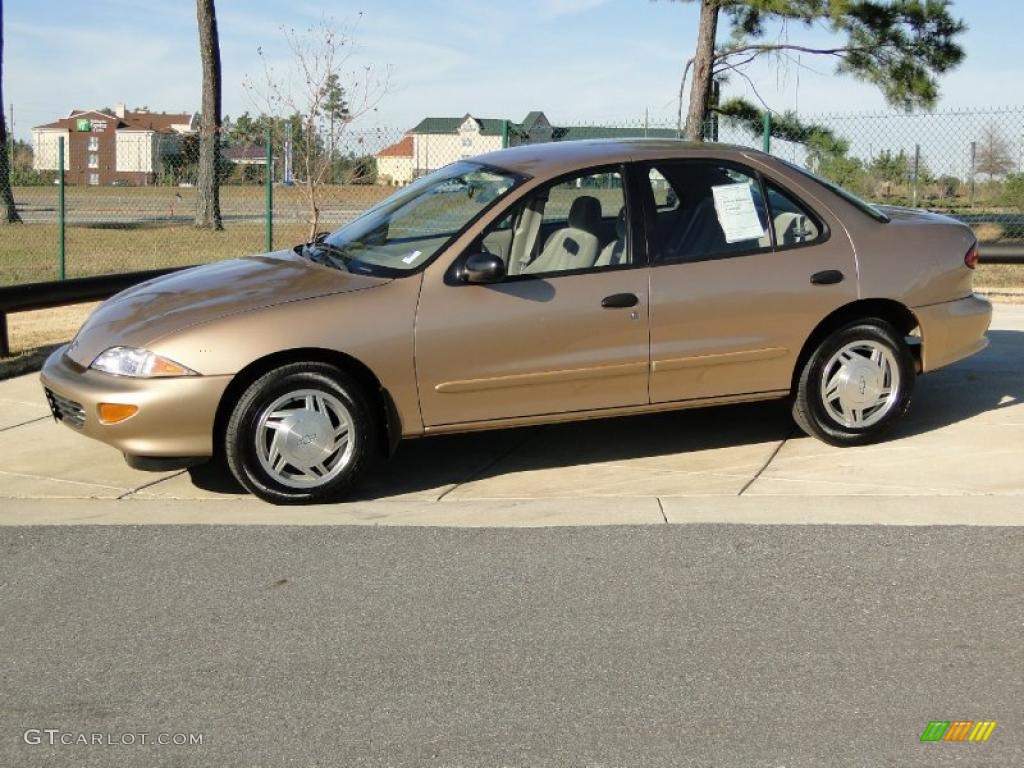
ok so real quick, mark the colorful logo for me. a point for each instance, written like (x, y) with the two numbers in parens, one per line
(958, 730)
(83, 124)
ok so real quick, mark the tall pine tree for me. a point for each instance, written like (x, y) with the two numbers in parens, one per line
(900, 46)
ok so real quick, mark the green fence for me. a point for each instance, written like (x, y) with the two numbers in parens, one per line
(133, 208)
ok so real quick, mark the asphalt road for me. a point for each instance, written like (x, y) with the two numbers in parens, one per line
(687, 645)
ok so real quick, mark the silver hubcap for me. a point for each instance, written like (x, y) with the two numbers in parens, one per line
(304, 439)
(860, 384)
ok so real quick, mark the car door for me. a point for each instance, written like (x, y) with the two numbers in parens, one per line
(733, 289)
(566, 329)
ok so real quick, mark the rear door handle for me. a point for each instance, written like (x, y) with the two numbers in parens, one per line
(620, 301)
(827, 277)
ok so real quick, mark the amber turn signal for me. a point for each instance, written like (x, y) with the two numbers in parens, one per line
(111, 413)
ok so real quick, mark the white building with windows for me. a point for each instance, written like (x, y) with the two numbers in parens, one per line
(437, 141)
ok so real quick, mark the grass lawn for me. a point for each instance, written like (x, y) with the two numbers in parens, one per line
(28, 252)
(999, 276)
(124, 229)
(34, 335)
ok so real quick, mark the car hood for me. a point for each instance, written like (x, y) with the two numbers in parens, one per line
(149, 311)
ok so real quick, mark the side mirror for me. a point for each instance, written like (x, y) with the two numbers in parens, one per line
(483, 268)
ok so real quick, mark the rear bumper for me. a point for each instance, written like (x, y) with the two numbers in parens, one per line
(175, 417)
(952, 330)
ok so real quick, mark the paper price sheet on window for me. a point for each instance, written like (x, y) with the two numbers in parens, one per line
(734, 204)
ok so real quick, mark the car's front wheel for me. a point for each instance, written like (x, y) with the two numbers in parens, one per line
(301, 433)
(855, 384)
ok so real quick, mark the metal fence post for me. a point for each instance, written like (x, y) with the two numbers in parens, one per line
(767, 136)
(270, 193)
(60, 207)
(504, 134)
(974, 160)
(917, 172)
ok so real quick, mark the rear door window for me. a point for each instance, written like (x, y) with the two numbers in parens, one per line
(719, 211)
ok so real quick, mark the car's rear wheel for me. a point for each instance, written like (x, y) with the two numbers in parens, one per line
(301, 433)
(855, 385)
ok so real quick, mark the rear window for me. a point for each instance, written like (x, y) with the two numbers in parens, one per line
(873, 211)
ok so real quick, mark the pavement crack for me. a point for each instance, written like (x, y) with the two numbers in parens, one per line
(767, 463)
(23, 423)
(661, 508)
(476, 473)
(150, 484)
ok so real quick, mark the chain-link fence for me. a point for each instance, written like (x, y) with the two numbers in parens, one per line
(130, 204)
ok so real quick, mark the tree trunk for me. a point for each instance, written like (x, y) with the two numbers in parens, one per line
(313, 178)
(703, 69)
(10, 210)
(208, 199)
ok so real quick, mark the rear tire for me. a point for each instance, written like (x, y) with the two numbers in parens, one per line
(300, 434)
(855, 385)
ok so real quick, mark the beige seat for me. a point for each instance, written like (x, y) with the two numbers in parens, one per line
(615, 252)
(793, 228)
(574, 246)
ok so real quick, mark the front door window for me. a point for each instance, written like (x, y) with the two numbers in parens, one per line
(574, 225)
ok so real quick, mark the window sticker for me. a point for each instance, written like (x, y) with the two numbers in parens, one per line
(734, 204)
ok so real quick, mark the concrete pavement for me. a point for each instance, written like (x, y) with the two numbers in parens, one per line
(964, 440)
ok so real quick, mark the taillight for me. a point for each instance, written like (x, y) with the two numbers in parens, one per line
(971, 258)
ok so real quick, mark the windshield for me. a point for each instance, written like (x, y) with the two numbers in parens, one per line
(871, 210)
(407, 229)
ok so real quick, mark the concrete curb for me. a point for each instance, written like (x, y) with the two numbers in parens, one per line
(531, 513)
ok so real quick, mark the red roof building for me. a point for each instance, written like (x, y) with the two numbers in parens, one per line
(103, 147)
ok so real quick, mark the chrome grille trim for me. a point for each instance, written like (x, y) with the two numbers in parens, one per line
(66, 410)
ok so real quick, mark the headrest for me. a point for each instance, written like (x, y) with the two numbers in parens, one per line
(585, 213)
(620, 224)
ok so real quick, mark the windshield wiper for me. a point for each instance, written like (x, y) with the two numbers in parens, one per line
(325, 253)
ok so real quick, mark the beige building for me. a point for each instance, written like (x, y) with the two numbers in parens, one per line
(437, 141)
(394, 163)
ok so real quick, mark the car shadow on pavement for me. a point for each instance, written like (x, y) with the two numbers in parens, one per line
(429, 467)
(989, 381)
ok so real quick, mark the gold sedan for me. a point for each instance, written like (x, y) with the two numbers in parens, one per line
(537, 284)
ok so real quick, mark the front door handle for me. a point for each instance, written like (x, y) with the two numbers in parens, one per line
(827, 277)
(620, 301)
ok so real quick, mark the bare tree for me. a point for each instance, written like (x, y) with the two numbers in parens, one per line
(994, 156)
(208, 199)
(11, 211)
(319, 80)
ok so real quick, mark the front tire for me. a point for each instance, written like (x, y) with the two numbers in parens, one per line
(299, 434)
(855, 385)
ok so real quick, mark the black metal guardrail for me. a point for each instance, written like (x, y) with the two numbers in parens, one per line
(1002, 254)
(59, 293)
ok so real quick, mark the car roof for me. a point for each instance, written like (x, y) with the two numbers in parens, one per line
(557, 157)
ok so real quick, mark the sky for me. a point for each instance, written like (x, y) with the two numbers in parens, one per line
(580, 61)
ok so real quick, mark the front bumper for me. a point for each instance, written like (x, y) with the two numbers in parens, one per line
(175, 416)
(952, 330)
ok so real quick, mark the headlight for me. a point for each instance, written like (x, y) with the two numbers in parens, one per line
(138, 363)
